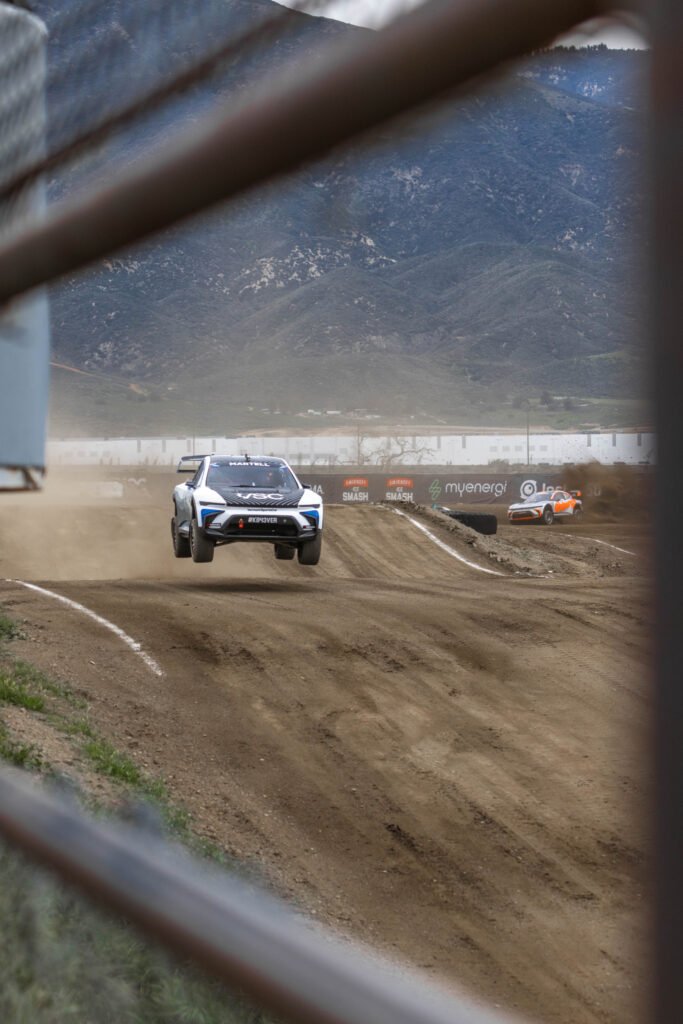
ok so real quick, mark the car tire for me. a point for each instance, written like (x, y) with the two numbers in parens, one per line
(548, 516)
(577, 516)
(201, 547)
(309, 553)
(284, 552)
(181, 545)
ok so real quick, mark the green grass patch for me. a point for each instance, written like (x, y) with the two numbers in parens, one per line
(65, 961)
(107, 760)
(31, 677)
(24, 685)
(8, 629)
(21, 755)
(12, 691)
(75, 727)
(32, 680)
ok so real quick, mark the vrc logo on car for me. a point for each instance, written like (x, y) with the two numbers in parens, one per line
(248, 496)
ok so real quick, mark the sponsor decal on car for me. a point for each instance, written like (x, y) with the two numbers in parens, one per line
(355, 488)
(245, 465)
(259, 496)
(262, 519)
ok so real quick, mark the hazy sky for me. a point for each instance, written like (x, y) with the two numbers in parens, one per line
(375, 13)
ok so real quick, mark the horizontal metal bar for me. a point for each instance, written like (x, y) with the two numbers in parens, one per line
(221, 53)
(21, 478)
(298, 117)
(246, 938)
(666, 308)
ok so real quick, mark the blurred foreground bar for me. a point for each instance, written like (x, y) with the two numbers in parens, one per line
(247, 939)
(666, 287)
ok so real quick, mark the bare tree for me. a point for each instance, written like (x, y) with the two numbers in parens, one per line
(397, 450)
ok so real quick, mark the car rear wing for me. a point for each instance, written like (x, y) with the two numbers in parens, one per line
(575, 494)
(188, 463)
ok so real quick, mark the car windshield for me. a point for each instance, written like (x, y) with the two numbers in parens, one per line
(261, 475)
(534, 499)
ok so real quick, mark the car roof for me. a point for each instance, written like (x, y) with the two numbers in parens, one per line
(241, 460)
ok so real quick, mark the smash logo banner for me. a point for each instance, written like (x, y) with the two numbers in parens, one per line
(399, 488)
(356, 489)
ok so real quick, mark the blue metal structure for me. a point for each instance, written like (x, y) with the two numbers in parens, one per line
(24, 323)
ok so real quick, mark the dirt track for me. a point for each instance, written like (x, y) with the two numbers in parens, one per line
(446, 764)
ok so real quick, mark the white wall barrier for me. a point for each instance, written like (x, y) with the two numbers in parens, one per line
(457, 450)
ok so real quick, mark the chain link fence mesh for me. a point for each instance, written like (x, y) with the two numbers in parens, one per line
(121, 76)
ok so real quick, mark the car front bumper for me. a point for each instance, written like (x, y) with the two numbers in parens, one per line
(255, 525)
(524, 515)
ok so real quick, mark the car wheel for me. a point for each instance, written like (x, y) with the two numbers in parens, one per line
(284, 552)
(201, 547)
(309, 553)
(577, 516)
(181, 545)
(548, 516)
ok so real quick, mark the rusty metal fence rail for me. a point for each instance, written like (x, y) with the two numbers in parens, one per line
(249, 940)
(298, 117)
(666, 368)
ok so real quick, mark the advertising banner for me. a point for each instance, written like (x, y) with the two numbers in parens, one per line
(430, 489)
(356, 489)
(399, 488)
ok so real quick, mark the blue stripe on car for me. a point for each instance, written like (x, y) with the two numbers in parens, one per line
(209, 512)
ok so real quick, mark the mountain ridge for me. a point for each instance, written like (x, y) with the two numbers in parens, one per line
(495, 236)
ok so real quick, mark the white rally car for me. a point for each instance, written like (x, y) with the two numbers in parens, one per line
(235, 498)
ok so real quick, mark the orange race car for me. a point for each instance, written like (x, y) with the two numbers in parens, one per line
(547, 506)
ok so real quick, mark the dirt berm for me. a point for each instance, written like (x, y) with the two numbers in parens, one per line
(445, 763)
(563, 549)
